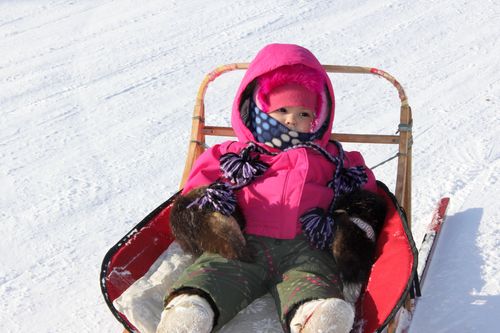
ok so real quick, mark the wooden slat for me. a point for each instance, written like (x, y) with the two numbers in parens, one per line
(342, 137)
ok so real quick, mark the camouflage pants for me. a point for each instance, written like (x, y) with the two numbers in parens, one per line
(290, 270)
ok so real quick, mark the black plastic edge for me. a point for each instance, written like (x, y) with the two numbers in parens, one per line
(111, 252)
(414, 250)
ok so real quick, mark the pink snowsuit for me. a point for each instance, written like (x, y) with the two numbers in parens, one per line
(296, 180)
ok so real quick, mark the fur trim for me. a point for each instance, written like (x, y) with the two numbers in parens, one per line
(302, 75)
(353, 248)
(202, 228)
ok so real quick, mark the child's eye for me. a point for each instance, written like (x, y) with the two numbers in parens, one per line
(282, 110)
(305, 115)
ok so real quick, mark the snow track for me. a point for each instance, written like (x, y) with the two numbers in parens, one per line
(95, 105)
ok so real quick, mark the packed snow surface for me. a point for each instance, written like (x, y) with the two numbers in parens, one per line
(96, 99)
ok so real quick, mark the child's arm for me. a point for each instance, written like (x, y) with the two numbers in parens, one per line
(202, 228)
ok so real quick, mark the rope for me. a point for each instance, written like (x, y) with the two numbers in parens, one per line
(385, 161)
(203, 144)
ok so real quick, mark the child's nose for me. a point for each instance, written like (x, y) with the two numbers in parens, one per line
(291, 119)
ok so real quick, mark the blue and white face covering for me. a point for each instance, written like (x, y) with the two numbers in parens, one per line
(271, 132)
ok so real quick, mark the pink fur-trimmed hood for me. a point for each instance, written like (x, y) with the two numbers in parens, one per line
(268, 59)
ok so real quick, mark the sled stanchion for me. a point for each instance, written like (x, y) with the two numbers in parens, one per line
(409, 170)
(403, 181)
(404, 169)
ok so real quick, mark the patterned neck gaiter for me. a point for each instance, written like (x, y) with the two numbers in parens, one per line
(269, 131)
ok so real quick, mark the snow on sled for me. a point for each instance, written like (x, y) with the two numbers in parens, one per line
(137, 271)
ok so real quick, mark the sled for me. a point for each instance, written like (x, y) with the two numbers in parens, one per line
(393, 278)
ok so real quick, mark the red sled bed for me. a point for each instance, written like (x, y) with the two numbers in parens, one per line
(393, 279)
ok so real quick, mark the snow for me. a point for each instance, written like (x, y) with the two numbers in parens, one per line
(95, 104)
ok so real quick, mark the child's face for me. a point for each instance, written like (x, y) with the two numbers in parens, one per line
(296, 118)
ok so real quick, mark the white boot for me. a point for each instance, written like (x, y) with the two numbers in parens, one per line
(331, 315)
(187, 314)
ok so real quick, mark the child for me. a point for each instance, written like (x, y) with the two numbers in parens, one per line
(259, 211)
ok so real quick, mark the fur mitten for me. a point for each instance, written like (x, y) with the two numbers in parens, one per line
(200, 229)
(359, 216)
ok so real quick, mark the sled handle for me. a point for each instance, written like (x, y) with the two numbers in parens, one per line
(403, 137)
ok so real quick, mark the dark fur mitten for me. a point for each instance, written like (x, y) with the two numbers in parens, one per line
(359, 217)
(202, 229)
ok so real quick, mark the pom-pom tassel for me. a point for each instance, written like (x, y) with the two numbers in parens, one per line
(349, 180)
(243, 168)
(218, 197)
(318, 227)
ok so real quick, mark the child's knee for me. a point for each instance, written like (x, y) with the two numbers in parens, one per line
(332, 315)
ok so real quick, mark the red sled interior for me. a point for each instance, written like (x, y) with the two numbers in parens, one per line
(392, 279)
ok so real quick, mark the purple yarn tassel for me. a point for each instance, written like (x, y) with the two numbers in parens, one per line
(243, 168)
(351, 179)
(348, 180)
(218, 197)
(318, 228)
